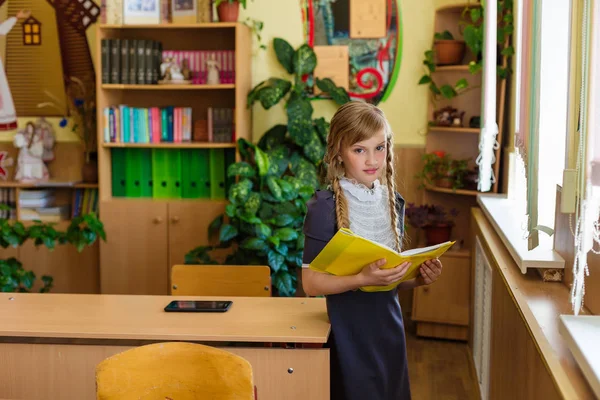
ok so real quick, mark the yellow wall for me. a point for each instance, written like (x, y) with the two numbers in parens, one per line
(406, 107)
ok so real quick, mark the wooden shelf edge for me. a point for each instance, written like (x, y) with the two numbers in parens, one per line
(203, 25)
(194, 145)
(121, 86)
(453, 130)
(48, 185)
(170, 200)
(454, 8)
(452, 191)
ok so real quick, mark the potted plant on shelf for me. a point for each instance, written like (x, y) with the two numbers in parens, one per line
(229, 10)
(434, 220)
(262, 224)
(81, 106)
(83, 231)
(448, 51)
(441, 170)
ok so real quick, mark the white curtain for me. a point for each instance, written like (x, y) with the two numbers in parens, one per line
(587, 231)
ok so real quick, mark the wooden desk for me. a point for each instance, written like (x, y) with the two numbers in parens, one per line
(51, 343)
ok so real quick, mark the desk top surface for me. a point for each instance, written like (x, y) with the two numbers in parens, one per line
(137, 317)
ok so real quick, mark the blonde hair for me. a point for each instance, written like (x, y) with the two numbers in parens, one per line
(354, 122)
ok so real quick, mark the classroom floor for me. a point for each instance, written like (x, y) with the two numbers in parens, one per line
(439, 369)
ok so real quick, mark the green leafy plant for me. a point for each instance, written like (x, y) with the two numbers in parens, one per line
(441, 170)
(256, 27)
(83, 231)
(262, 225)
(473, 32)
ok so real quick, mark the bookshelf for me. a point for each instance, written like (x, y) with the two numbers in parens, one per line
(152, 230)
(442, 309)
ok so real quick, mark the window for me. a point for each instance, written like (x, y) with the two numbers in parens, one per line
(541, 113)
(32, 32)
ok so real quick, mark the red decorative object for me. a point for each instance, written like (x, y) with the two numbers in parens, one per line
(5, 161)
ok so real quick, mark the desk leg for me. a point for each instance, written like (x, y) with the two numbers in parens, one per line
(61, 371)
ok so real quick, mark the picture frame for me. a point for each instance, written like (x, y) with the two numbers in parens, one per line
(136, 12)
(184, 11)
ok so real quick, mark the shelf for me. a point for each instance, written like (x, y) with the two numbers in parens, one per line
(208, 25)
(197, 145)
(457, 8)
(120, 86)
(454, 130)
(49, 184)
(452, 68)
(452, 191)
(166, 200)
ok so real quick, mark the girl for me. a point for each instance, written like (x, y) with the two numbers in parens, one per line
(368, 348)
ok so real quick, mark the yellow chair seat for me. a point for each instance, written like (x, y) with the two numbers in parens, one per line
(174, 370)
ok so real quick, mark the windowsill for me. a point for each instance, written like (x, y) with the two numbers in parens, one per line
(500, 213)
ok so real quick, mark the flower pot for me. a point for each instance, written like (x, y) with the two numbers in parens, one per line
(228, 12)
(437, 234)
(449, 52)
(89, 170)
(446, 183)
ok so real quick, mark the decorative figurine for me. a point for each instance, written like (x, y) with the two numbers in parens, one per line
(212, 66)
(32, 144)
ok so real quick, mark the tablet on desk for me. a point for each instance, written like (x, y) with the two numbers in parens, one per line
(198, 306)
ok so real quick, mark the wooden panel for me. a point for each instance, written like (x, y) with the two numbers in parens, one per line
(243, 81)
(188, 226)
(73, 272)
(407, 163)
(539, 304)
(563, 243)
(453, 287)
(525, 377)
(68, 371)
(367, 19)
(333, 64)
(442, 331)
(34, 316)
(133, 260)
(221, 280)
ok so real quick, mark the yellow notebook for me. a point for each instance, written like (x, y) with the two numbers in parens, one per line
(347, 254)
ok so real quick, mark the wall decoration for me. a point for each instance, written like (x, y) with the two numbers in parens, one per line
(32, 32)
(372, 32)
(63, 52)
(8, 115)
(34, 143)
(5, 162)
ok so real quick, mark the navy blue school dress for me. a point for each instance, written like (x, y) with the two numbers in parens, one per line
(367, 343)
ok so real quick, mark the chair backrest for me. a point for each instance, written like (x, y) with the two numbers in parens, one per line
(221, 280)
(174, 370)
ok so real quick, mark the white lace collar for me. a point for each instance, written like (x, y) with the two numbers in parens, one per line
(362, 192)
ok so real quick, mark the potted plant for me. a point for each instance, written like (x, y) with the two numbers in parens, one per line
(441, 170)
(275, 178)
(229, 10)
(81, 105)
(434, 220)
(448, 50)
(82, 231)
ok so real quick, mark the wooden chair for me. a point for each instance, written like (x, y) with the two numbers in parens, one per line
(174, 370)
(221, 280)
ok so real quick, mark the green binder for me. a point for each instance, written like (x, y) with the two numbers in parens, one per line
(118, 167)
(139, 173)
(217, 174)
(229, 159)
(166, 173)
(194, 173)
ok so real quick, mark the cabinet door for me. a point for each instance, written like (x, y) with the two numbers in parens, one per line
(188, 226)
(447, 299)
(72, 271)
(133, 260)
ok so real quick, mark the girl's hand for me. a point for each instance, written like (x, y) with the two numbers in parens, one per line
(429, 271)
(372, 275)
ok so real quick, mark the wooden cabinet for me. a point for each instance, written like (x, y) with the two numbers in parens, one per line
(146, 238)
(442, 308)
